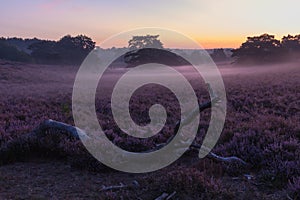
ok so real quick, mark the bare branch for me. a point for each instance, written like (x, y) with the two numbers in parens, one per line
(195, 111)
(166, 196)
(113, 187)
(80, 134)
(118, 187)
(231, 159)
(162, 196)
(73, 130)
(171, 195)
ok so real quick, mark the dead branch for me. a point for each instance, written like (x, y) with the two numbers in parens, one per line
(211, 155)
(230, 159)
(118, 187)
(171, 195)
(195, 111)
(162, 196)
(77, 133)
(66, 128)
(113, 187)
(166, 196)
(288, 197)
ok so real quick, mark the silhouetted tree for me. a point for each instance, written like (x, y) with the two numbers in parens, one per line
(68, 50)
(263, 48)
(148, 41)
(74, 49)
(291, 43)
(80, 42)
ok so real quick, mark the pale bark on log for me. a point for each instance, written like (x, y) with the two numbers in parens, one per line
(52, 124)
(77, 133)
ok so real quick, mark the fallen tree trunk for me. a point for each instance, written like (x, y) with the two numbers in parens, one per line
(22, 144)
(78, 133)
(69, 129)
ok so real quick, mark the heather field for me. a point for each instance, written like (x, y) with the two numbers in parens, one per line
(262, 128)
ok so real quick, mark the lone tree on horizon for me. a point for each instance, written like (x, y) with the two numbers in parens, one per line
(147, 41)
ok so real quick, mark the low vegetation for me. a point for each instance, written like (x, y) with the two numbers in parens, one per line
(262, 128)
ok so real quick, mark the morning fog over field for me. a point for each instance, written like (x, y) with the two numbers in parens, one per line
(95, 103)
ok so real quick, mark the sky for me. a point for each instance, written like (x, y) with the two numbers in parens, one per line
(211, 23)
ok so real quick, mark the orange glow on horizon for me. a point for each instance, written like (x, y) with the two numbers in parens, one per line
(209, 43)
(221, 42)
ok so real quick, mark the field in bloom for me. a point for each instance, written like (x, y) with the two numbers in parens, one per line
(262, 128)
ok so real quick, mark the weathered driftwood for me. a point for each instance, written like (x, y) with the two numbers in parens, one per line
(230, 159)
(77, 133)
(80, 134)
(52, 124)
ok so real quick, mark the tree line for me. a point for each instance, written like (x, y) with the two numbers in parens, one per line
(67, 50)
(72, 50)
(266, 49)
(257, 49)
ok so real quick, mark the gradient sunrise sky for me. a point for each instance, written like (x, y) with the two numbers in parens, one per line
(212, 23)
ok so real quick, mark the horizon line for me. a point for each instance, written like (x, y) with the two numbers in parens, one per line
(205, 47)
